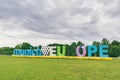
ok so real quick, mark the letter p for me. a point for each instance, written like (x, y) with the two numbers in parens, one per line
(91, 50)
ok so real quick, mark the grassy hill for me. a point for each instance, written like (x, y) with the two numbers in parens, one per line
(58, 69)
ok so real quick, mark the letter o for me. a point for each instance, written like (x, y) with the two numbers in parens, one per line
(78, 52)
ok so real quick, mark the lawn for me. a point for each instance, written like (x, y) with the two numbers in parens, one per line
(58, 69)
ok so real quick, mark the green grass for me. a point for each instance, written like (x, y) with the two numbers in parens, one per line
(58, 69)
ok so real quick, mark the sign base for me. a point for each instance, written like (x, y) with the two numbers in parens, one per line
(64, 57)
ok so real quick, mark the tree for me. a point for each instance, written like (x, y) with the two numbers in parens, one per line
(105, 41)
(114, 49)
(24, 45)
(55, 44)
(73, 48)
(79, 43)
(96, 43)
(39, 46)
(115, 42)
(68, 51)
(6, 50)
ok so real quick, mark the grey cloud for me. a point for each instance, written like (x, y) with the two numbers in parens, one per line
(113, 9)
(105, 2)
(60, 19)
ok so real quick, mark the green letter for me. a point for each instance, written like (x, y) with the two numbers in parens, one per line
(61, 52)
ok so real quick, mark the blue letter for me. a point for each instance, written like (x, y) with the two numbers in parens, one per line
(38, 52)
(103, 51)
(91, 49)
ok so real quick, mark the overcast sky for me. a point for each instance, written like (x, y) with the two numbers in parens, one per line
(62, 21)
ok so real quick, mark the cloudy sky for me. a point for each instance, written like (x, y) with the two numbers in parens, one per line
(62, 21)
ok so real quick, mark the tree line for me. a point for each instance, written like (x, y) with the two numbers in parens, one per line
(113, 51)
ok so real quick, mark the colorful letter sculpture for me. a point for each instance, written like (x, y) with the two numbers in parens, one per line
(61, 51)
